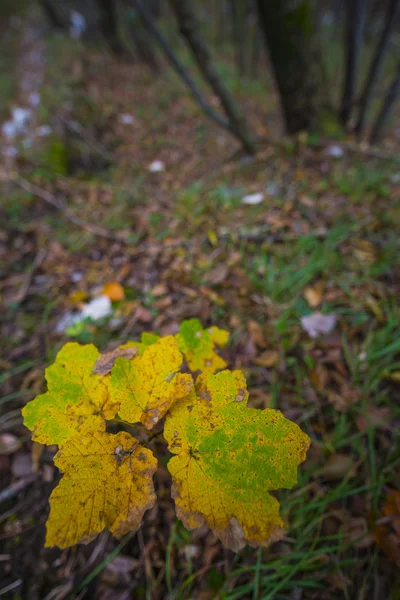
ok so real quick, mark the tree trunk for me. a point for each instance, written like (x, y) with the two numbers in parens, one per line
(289, 30)
(356, 11)
(376, 64)
(238, 37)
(109, 24)
(387, 107)
(52, 14)
(189, 30)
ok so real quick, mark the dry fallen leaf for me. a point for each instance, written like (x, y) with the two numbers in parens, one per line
(387, 533)
(267, 359)
(257, 334)
(106, 361)
(365, 251)
(337, 466)
(9, 444)
(314, 294)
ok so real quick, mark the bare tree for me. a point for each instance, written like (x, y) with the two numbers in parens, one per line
(53, 15)
(188, 27)
(238, 31)
(178, 66)
(376, 65)
(356, 11)
(108, 18)
(387, 107)
(289, 28)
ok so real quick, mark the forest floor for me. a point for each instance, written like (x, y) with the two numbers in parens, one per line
(84, 204)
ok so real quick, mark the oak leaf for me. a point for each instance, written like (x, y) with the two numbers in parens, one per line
(147, 386)
(107, 482)
(228, 457)
(77, 401)
(198, 346)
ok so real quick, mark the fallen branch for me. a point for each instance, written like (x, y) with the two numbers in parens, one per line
(61, 204)
(87, 137)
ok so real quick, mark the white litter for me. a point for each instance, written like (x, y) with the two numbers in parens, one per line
(10, 151)
(34, 99)
(335, 151)
(21, 117)
(8, 129)
(127, 119)
(18, 123)
(253, 198)
(318, 324)
(76, 276)
(78, 25)
(156, 166)
(98, 308)
(43, 130)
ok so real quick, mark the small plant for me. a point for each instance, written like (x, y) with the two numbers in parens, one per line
(226, 456)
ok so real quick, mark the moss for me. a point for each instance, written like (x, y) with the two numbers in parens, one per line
(54, 156)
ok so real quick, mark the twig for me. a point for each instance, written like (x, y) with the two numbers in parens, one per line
(61, 204)
(91, 141)
(39, 258)
(17, 487)
(10, 587)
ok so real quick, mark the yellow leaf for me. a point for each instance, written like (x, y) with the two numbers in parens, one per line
(107, 482)
(77, 401)
(146, 386)
(114, 291)
(227, 458)
(212, 238)
(78, 296)
(197, 344)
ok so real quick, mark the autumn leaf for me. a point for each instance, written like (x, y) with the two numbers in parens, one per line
(107, 482)
(147, 386)
(198, 346)
(228, 457)
(106, 361)
(77, 401)
(114, 291)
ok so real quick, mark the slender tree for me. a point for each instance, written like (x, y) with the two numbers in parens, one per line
(188, 27)
(376, 65)
(356, 11)
(388, 104)
(238, 34)
(108, 18)
(178, 66)
(53, 15)
(289, 28)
